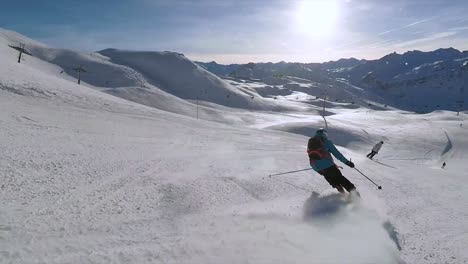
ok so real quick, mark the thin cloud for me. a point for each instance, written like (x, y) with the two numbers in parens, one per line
(379, 44)
(385, 46)
(462, 20)
(459, 28)
(406, 26)
(436, 36)
(350, 43)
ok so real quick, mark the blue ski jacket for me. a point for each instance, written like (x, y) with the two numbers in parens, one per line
(327, 161)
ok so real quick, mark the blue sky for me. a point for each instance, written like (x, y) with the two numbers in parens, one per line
(232, 31)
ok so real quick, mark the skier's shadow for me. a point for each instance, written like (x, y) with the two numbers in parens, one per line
(320, 207)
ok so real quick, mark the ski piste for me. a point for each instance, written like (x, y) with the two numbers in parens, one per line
(119, 169)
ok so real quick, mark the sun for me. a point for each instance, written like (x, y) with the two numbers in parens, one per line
(316, 18)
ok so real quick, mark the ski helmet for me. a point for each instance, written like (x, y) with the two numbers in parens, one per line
(321, 133)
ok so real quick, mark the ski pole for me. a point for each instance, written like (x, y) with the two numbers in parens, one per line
(378, 186)
(288, 172)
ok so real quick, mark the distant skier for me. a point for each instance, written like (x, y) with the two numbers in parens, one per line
(375, 150)
(443, 165)
(319, 149)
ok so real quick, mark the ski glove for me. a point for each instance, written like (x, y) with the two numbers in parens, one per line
(350, 164)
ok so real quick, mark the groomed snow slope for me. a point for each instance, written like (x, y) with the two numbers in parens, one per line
(427, 204)
(87, 177)
(90, 178)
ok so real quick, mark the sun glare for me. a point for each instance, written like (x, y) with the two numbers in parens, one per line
(317, 18)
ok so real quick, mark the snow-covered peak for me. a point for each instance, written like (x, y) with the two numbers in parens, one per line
(177, 75)
(9, 37)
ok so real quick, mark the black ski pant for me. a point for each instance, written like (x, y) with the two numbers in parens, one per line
(371, 155)
(336, 179)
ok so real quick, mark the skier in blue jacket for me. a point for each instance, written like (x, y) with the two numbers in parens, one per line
(319, 149)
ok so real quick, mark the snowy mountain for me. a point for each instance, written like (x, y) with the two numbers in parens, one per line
(440, 76)
(311, 71)
(389, 66)
(148, 78)
(87, 177)
(191, 81)
(397, 80)
(218, 69)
